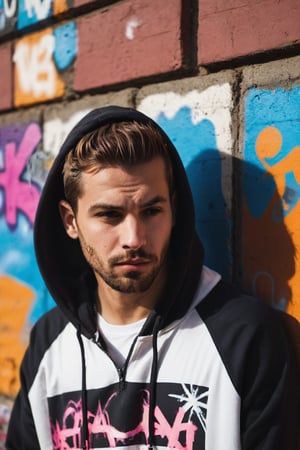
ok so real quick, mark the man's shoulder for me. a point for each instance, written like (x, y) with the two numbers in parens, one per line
(229, 303)
(53, 319)
(246, 331)
(46, 329)
(43, 333)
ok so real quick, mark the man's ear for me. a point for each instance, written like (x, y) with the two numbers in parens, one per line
(68, 218)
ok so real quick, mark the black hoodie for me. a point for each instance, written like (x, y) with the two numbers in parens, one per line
(60, 258)
(209, 370)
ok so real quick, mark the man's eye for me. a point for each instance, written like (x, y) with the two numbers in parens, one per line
(151, 211)
(109, 214)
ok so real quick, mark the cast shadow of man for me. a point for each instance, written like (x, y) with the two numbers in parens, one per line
(248, 243)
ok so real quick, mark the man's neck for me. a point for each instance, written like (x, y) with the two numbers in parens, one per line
(119, 308)
(122, 310)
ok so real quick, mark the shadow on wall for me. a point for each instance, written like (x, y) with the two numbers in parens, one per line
(196, 142)
(268, 251)
(213, 219)
(265, 252)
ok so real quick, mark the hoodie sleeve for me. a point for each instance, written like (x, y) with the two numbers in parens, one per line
(270, 390)
(21, 433)
(259, 359)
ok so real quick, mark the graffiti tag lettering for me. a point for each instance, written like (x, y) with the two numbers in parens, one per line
(8, 10)
(20, 195)
(35, 73)
(40, 8)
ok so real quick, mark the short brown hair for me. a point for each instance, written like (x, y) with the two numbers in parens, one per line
(114, 144)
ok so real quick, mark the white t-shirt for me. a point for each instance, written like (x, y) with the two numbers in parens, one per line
(119, 338)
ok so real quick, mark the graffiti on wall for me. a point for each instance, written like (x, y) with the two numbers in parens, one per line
(5, 409)
(19, 14)
(271, 193)
(198, 123)
(55, 131)
(23, 294)
(8, 15)
(39, 59)
(24, 297)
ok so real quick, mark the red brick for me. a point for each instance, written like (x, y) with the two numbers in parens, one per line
(234, 28)
(83, 2)
(6, 76)
(106, 56)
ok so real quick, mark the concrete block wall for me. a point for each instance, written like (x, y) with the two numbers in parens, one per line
(221, 77)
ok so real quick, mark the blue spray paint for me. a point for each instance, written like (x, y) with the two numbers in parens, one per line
(18, 261)
(65, 50)
(198, 150)
(30, 13)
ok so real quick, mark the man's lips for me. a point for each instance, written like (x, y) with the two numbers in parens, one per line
(133, 262)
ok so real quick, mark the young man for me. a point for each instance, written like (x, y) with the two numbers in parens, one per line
(148, 348)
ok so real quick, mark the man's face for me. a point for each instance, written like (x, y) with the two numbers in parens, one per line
(124, 221)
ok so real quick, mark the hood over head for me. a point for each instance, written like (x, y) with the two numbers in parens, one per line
(66, 273)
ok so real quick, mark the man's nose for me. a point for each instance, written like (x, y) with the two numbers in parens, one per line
(133, 233)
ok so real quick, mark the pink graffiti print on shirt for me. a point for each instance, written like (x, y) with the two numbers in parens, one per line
(68, 437)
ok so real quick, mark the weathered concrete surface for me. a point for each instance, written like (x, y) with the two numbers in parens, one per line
(60, 119)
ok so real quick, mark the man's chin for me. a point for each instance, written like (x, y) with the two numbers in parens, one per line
(129, 288)
(132, 275)
(132, 285)
(129, 282)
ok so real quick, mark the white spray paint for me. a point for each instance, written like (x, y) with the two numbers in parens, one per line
(34, 63)
(10, 8)
(56, 130)
(131, 26)
(40, 7)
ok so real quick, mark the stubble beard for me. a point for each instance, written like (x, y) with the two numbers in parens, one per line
(132, 281)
